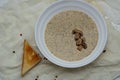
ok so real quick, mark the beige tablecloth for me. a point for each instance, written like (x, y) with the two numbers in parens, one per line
(20, 16)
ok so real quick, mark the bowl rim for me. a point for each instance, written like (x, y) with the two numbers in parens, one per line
(68, 64)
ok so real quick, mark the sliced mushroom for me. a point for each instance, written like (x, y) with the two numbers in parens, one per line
(79, 48)
(84, 45)
(78, 42)
(77, 36)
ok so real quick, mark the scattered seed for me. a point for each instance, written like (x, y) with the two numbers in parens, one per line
(104, 51)
(36, 79)
(56, 76)
(13, 51)
(20, 34)
(45, 58)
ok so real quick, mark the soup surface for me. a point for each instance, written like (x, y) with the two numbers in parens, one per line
(60, 40)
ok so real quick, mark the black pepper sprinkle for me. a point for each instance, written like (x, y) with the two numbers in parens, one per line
(45, 58)
(20, 34)
(13, 51)
(104, 51)
(36, 79)
(56, 76)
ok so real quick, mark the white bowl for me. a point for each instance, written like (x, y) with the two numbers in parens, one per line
(70, 5)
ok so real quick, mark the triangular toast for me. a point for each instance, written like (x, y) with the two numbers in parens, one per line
(30, 58)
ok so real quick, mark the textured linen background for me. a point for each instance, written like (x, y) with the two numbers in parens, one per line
(20, 16)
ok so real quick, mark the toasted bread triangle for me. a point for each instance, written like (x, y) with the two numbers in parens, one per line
(30, 58)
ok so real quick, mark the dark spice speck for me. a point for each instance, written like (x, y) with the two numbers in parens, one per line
(20, 34)
(104, 51)
(45, 58)
(56, 76)
(13, 51)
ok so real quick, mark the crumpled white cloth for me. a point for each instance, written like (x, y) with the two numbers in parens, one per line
(20, 16)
